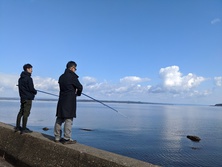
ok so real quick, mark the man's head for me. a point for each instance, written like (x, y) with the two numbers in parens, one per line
(71, 65)
(28, 68)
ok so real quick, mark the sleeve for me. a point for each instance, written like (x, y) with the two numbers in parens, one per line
(31, 87)
(77, 85)
(79, 91)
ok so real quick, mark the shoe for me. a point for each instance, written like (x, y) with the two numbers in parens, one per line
(26, 130)
(70, 141)
(57, 141)
(16, 129)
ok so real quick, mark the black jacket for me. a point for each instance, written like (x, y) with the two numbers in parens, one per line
(70, 87)
(26, 87)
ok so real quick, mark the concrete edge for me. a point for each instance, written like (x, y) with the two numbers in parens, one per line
(39, 150)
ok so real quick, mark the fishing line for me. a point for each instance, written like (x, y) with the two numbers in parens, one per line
(88, 97)
(47, 93)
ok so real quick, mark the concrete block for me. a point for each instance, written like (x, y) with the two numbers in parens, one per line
(40, 150)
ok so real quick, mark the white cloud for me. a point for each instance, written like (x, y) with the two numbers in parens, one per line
(91, 84)
(218, 81)
(89, 79)
(174, 80)
(171, 76)
(46, 83)
(133, 79)
(215, 21)
(8, 85)
(128, 86)
(173, 85)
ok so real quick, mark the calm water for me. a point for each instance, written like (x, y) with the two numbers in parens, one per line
(152, 133)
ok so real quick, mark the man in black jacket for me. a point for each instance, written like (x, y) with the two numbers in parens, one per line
(27, 93)
(70, 87)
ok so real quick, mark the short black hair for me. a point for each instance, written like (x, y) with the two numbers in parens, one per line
(71, 64)
(27, 66)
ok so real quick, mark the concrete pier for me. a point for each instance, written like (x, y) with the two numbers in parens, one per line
(4, 163)
(40, 150)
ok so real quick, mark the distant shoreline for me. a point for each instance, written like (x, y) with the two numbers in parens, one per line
(85, 100)
(109, 101)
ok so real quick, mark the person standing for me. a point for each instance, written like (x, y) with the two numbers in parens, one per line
(70, 88)
(27, 93)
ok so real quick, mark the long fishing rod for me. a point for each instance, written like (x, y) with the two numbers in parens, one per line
(88, 97)
(102, 103)
(47, 93)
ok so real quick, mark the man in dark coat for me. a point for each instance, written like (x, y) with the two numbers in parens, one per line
(70, 87)
(27, 93)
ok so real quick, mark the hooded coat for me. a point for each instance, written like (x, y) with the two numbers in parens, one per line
(26, 86)
(70, 87)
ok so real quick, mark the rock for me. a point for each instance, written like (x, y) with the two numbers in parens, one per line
(45, 128)
(194, 138)
(195, 148)
(218, 104)
(85, 129)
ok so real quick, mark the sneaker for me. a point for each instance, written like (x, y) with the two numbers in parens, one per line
(26, 130)
(70, 141)
(57, 141)
(16, 129)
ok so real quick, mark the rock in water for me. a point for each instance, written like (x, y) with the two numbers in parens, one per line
(85, 129)
(194, 138)
(45, 128)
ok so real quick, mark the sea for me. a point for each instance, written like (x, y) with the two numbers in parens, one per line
(154, 133)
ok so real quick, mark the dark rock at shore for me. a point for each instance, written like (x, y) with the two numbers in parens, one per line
(218, 104)
(194, 138)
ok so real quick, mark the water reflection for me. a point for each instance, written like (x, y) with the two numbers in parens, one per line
(152, 133)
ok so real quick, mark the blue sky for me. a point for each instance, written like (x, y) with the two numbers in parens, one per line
(143, 50)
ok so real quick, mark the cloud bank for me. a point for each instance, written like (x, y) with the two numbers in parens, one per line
(218, 81)
(173, 84)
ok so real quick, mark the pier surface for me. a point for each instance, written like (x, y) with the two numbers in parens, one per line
(39, 150)
(4, 163)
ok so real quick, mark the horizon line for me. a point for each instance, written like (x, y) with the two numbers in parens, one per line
(106, 101)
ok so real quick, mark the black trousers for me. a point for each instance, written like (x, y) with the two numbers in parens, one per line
(24, 112)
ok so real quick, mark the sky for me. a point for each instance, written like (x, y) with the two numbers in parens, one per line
(132, 50)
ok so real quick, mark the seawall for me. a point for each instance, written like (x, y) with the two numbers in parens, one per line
(39, 150)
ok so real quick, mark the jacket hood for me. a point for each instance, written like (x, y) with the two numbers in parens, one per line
(25, 74)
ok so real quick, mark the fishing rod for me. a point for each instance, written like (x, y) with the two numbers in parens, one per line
(88, 97)
(47, 93)
(102, 103)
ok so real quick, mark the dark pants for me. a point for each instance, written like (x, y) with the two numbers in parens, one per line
(24, 112)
